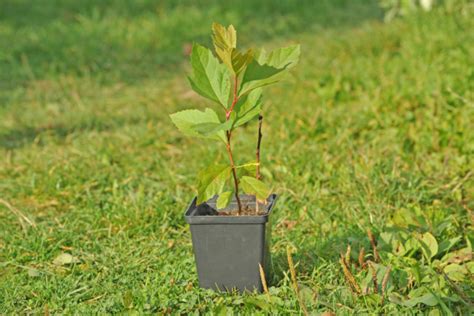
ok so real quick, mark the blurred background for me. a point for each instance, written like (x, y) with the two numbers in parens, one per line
(131, 40)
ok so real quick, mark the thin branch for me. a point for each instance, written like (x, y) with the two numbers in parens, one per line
(259, 141)
(234, 173)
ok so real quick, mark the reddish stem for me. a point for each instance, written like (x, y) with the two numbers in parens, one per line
(234, 101)
(229, 149)
(234, 172)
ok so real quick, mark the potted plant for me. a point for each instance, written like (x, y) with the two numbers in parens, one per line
(229, 215)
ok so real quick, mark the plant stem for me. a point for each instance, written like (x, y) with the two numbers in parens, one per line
(234, 101)
(229, 149)
(234, 173)
(259, 141)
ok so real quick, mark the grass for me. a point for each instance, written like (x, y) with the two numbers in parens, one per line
(377, 118)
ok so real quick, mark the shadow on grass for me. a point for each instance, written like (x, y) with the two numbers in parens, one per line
(20, 137)
(132, 40)
(326, 13)
(115, 40)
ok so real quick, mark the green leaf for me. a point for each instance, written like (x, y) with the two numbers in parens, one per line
(460, 255)
(427, 299)
(266, 68)
(225, 44)
(260, 302)
(241, 61)
(33, 272)
(248, 107)
(255, 187)
(445, 308)
(190, 123)
(307, 294)
(225, 41)
(447, 244)
(208, 129)
(455, 272)
(266, 173)
(211, 181)
(257, 75)
(65, 259)
(249, 168)
(285, 57)
(429, 245)
(434, 312)
(470, 267)
(210, 78)
(224, 199)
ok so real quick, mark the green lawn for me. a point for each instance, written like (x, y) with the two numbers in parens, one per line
(374, 129)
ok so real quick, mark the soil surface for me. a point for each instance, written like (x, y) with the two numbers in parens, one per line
(246, 211)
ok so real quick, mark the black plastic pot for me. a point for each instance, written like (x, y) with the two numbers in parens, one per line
(229, 249)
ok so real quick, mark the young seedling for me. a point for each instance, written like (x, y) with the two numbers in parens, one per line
(233, 80)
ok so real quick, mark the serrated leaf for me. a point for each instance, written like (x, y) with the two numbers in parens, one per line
(224, 199)
(285, 57)
(257, 75)
(211, 181)
(225, 44)
(189, 122)
(266, 68)
(210, 78)
(208, 129)
(248, 107)
(225, 41)
(255, 187)
(241, 60)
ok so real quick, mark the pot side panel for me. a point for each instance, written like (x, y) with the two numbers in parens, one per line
(227, 256)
